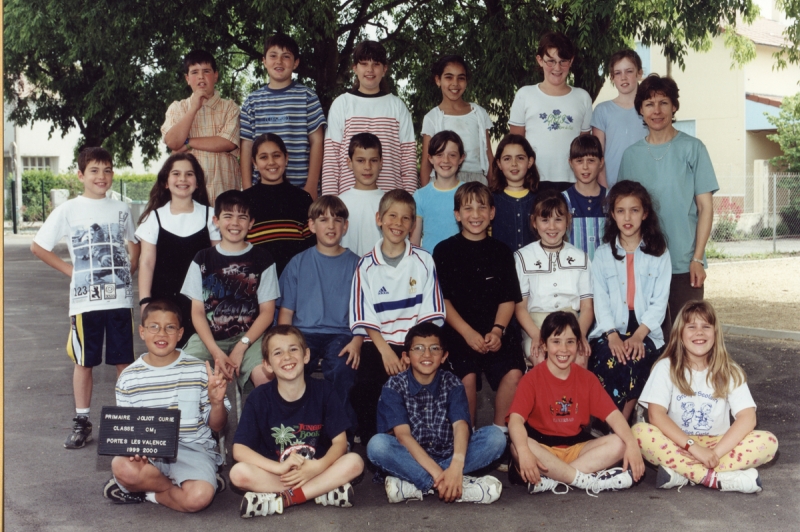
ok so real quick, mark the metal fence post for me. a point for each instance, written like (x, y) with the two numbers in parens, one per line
(41, 188)
(14, 210)
(774, 211)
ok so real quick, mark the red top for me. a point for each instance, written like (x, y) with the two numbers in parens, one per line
(631, 293)
(560, 407)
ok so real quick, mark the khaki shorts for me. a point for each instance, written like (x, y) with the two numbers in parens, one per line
(566, 454)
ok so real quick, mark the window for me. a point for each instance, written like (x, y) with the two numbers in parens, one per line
(40, 163)
(687, 126)
(644, 53)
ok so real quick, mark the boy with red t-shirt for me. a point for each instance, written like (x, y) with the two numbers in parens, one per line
(549, 418)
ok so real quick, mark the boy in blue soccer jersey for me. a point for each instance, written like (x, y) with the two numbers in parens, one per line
(166, 377)
(288, 109)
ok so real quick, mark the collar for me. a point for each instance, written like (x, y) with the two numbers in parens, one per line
(414, 387)
(214, 100)
(619, 245)
(378, 253)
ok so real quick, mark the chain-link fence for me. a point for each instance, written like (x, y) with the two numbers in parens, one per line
(759, 208)
(37, 198)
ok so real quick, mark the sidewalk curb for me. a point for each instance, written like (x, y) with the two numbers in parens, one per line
(761, 333)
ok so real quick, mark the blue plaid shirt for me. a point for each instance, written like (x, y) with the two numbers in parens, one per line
(429, 410)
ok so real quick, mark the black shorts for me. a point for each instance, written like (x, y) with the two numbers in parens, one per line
(463, 360)
(88, 330)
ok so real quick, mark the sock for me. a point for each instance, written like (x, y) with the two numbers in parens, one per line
(710, 480)
(151, 496)
(503, 428)
(582, 480)
(82, 412)
(291, 497)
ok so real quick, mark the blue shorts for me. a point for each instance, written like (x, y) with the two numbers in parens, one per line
(88, 330)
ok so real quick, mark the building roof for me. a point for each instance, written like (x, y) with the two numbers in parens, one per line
(766, 99)
(764, 31)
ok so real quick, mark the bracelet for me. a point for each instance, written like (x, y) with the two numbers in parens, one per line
(145, 300)
(698, 260)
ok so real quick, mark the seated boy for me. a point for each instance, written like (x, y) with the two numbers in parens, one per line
(290, 110)
(101, 289)
(206, 125)
(586, 198)
(291, 444)
(315, 288)
(187, 483)
(424, 439)
(394, 288)
(549, 420)
(365, 159)
(233, 287)
(480, 287)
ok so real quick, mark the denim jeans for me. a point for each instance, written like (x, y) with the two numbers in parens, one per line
(326, 347)
(485, 446)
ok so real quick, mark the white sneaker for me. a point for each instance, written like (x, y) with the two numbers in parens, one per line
(260, 504)
(744, 481)
(341, 497)
(398, 490)
(667, 479)
(612, 479)
(547, 484)
(482, 490)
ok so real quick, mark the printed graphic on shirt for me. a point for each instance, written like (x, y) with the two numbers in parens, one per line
(301, 439)
(230, 298)
(101, 267)
(696, 416)
(412, 285)
(383, 291)
(557, 120)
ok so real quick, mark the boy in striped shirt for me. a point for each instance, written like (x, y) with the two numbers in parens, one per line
(394, 288)
(290, 110)
(166, 377)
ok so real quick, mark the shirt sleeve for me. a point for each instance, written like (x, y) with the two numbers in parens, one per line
(229, 129)
(457, 405)
(657, 301)
(246, 127)
(54, 228)
(508, 277)
(331, 172)
(268, 289)
(148, 229)
(524, 288)
(587, 115)
(484, 118)
(288, 285)
(408, 150)
(441, 260)
(601, 404)
(604, 275)
(247, 432)
(585, 281)
(130, 228)
(524, 398)
(335, 419)
(740, 399)
(427, 125)
(658, 388)
(391, 411)
(516, 116)
(193, 284)
(705, 180)
(362, 312)
(432, 308)
(174, 114)
(315, 118)
(121, 391)
(599, 117)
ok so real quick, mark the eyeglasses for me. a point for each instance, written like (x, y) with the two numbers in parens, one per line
(419, 349)
(551, 63)
(155, 328)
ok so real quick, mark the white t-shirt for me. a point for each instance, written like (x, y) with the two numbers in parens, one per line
(362, 232)
(553, 281)
(700, 414)
(551, 123)
(471, 127)
(181, 225)
(96, 231)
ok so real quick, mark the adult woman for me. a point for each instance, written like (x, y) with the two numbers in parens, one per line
(676, 170)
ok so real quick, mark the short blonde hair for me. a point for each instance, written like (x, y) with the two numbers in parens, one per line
(397, 195)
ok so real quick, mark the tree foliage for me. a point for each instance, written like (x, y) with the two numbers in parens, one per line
(111, 67)
(788, 136)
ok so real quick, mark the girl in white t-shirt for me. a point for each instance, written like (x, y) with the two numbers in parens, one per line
(693, 390)
(175, 225)
(469, 120)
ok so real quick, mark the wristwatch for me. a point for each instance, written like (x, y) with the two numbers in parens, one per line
(611, 331)
(689, 443)
(502, 329)
(245, 340)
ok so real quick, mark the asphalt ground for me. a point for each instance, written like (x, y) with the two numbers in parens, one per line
(50, 488)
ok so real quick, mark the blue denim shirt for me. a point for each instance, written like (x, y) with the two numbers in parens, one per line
(512, 220)
(609, 280)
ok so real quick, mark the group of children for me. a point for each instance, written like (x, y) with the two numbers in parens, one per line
(403, 303)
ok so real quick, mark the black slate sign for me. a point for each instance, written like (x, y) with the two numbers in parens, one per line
(150, 432)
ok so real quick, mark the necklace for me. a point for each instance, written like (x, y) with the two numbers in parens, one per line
(669, 145)
(553, 249)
